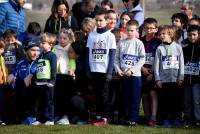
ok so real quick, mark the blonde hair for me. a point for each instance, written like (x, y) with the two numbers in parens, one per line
(2, 43)
(88, 24)
(170, 30)
(48, 37)
(69, 33)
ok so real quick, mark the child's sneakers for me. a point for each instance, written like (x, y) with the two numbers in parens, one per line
(63, 121)
(98, 122)
(197, 124)
(131, 123)
(49, 123)
(152, 123)
(35, 123)
(166, 123)
(2, 123)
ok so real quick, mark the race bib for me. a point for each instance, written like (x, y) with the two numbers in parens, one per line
(129, 60)
(149, 58)
(99, 55)
(191, 68)
(170, 62)
(10, 58)
(43, 69)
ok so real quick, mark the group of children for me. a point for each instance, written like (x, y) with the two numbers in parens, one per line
(50, 79)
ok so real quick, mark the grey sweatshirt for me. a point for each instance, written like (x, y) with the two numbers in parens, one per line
(169, 63)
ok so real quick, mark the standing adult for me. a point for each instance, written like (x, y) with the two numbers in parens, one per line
(83, 9)
(60, 18)
(12, 16)
(188, 9)
(135, 8)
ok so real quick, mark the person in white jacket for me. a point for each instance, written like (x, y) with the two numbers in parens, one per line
(130, 57)
(64, 82)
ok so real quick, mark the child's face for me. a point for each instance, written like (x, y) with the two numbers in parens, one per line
(106, 7)
(150, 29)
(63, 39)
(33, 53)
(177, 22)
(193, 36)
(45, 46)
(118, 36)
(71, 53)
(165, 37)
(112, 20)
(100, 21)
(10, 40)
(1, 51)
(132, 31)
(124, 19)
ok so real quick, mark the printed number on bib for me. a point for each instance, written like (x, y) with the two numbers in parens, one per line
(10, 58)
(129, 60)
(99, 55)
(191, 68)
(170, 62)
(149, 59)
(43, 69)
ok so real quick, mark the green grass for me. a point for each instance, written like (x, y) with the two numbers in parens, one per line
(88, 129)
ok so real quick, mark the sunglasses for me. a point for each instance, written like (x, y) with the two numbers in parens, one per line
(125, 0)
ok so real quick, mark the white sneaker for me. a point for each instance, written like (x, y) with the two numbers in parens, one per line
(49, 123)
(63, 121)
(35, 123)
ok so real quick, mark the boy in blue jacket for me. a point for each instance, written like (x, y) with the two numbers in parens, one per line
(20, 78)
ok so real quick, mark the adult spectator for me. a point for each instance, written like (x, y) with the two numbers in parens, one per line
(135, 8)
(188, 9)
(107, 4)
(83, 9)
(60, 18)
(12, 16)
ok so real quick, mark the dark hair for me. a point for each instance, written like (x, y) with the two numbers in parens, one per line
(151, 21)
(107, 2)
(102, 12)
(133, 23)
(9, 32)
(86, 2)
(79, 36)
(182, 17)
(34, 28)
(54, 8)
(76, 47)
(192, 28)
(195, 19)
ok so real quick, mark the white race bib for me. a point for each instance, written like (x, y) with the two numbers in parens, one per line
(191, 68)
(10, 58)
(99, 55)
(149, 58)
(129, 60)
(170, 62)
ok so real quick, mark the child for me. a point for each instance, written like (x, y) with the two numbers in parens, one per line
(169, 75)
(149, 95)
(101, 47)
(107, 5)
(13, 50)
(192, 77)
(129, 59)
(21, 76)
(180, 20)
(194, 21)
(33, 31)
(112, 19)
(3, 80)
(64, 82)
(46, 78)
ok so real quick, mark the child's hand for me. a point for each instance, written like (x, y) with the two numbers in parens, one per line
(120, 73)
(50, 85)
(129, 73)
(159, 84)
(11, 79)
(28, 79)
(145, 71)
(179, 82)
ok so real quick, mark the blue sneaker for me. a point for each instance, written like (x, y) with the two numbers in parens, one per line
(166, 123)
(176, 123)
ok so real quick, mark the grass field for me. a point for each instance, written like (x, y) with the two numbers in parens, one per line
(87, 129)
